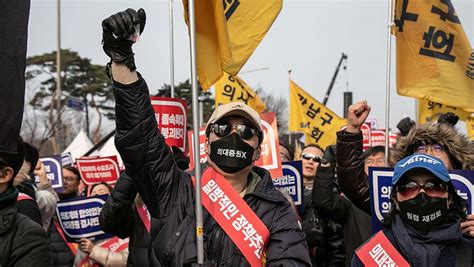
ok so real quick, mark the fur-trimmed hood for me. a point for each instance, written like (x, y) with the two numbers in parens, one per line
(458, 145)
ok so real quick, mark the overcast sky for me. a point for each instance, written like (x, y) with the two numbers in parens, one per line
(308, 37)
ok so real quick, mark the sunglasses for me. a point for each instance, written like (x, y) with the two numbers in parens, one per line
(436, 148)
(411, 189)
(245, 132)
(312, 157)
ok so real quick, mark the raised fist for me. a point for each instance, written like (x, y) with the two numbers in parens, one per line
(356, 116)
(119, 33)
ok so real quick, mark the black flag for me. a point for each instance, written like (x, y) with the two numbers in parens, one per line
(14, 16)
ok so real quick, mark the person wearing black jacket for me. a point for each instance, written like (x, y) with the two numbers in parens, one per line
(168, 191)
(336, 207)
(22, 241)
(119, 216)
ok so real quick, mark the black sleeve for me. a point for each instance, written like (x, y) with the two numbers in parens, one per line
(147, 158)
(30, 209)
(351, 176)
(116, 216)
(334, 206)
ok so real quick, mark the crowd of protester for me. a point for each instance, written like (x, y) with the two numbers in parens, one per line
(331, 227)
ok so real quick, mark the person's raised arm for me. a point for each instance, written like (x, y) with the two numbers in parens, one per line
(350, 163)
(147, 158)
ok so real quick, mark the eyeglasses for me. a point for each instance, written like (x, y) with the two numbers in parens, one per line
(411, 189)
(312, 157)
(436, 148)
(245, 132)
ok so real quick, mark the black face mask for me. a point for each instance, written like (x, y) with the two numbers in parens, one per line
(424, 213)
(231, 154)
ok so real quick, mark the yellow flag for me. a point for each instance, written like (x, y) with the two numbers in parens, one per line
(247, 23)
(212, 40)
(227, 33)
(430, 111)
(434, 58)
(232, 88)
(307, 115)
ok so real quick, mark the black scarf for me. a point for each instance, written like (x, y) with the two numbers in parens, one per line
(424, 249)
(8, 197)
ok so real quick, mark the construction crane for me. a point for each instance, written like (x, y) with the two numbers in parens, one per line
(326, 97)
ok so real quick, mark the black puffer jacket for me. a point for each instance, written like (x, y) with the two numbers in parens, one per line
(119, 216)
(355, 222)
(22, 241)
(169, 194)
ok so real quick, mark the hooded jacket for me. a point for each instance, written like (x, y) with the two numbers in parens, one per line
(458, 145)
(168, 192)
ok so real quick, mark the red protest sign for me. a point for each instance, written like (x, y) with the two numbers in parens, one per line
(202, 147)
(270, 155)
(96, 170)
(171, 117)
(378, 138)
(366, 135)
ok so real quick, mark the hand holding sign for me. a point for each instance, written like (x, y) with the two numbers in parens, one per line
(86, 245)
(356, 116)
(40, 171)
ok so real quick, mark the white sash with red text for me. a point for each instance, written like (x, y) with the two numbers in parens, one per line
(379, 251)
(23, 196)
(114, 244)
(234, 216)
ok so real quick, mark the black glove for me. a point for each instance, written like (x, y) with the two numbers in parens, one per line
(181, 160)
(449, 118)
(329, 155)
(405, 125)
(116, 31)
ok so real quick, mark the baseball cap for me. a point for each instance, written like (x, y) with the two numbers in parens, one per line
(421, 161)
(235, 109)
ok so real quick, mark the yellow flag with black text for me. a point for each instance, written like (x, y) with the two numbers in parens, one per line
(247, 23)
(434, 58)
(213, 48)
(231, 89)
(317, 121)
(430, 111)
(227, 33)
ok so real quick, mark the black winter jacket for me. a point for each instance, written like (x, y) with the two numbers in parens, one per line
(168, 192)
(355, 222)
(119, 216)
(22, 241)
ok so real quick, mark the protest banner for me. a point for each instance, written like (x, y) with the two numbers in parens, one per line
(270, 155)
(66, 159)
(96, 169)
(54, 170)
(380, 180)
(171, 117)
(79, 218)
(378, 138)
(292, 180)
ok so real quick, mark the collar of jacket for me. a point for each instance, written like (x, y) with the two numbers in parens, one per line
(7, 209)
(265, 188)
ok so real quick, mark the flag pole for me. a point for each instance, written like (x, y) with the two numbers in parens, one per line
(171, 47)
(289, 81)
(195, 107)
(388, 76)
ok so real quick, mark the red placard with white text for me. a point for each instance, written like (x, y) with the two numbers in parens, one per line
(270, 155)
(171, 117)
(378, 138)
(366, 135)
(95, 170)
